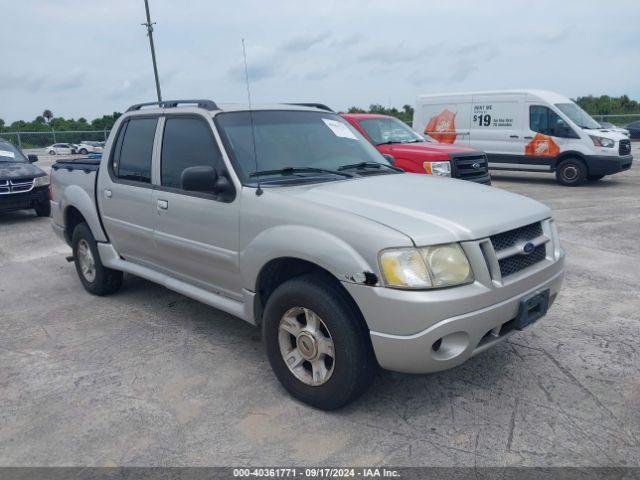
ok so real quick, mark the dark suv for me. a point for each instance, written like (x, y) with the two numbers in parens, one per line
(22, 185)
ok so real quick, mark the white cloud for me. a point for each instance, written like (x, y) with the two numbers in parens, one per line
(85, 58)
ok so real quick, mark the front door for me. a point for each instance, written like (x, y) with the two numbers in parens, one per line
(196, 233)
(546, 136)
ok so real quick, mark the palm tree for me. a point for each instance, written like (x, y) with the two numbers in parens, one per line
(48, 116)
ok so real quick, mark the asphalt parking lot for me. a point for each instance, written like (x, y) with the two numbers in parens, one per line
(149, 377)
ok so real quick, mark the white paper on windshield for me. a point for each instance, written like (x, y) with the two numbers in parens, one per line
(7, 153)
(339, 129)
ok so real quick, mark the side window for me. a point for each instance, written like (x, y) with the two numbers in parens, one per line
(187, 142)
(546, 121)
(539, 119)
(134, 146)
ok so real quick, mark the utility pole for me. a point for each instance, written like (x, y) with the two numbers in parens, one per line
(149, 26)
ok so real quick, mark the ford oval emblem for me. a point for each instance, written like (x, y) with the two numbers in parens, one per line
(476, 165)
(528, 247)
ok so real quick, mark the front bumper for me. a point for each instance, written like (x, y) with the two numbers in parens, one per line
(605, 165)
(22, 201)
(460, 337)
(433, 330)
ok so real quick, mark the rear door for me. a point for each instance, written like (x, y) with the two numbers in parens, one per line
(196, 233)
(125, 190)
(496, 128)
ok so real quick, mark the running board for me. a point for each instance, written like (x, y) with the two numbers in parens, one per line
(111, 259)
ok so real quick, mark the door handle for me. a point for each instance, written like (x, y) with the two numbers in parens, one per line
(107, 193)
(528, 138)
(513, 136)
(163, 205)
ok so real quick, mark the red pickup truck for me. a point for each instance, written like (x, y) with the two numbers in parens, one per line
(413, 153)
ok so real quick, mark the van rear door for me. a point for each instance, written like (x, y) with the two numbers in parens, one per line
(496, 127)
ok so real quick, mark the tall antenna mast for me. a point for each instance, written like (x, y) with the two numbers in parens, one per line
(253, 133)
(149, 26)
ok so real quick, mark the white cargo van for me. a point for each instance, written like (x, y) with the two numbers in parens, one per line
(526, 130)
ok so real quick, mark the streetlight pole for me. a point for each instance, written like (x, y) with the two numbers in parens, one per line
(149, 26)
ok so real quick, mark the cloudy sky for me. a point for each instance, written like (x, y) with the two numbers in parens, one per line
(89, 57)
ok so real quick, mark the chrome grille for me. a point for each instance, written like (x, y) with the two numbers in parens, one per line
(510, 238)
(469, 167)
(513, 259)
(625, 147)
(21, 185)
(516, 263)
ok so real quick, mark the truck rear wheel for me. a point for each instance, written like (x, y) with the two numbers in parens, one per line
(571, 172)
(317, 342)
(95, 277)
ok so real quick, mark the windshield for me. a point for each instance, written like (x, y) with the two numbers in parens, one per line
(577, 115)
(289, 139)
(9, 153)
(389, 130)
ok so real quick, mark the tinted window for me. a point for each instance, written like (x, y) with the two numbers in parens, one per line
(187, 142)
(544, 120)
(132, 159)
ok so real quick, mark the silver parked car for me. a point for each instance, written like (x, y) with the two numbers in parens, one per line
(286, 217)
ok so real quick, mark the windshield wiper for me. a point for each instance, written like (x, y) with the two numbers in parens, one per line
(292, 170)
(365, 165)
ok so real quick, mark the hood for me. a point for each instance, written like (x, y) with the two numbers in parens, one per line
(606, 132)
(429, 210)
(430, 148)
(10, 170)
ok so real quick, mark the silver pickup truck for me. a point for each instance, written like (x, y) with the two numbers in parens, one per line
(286, 217)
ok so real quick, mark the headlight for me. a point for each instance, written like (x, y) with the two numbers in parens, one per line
(429, 267)
(602, 141)
(42, 181)
(438, 168)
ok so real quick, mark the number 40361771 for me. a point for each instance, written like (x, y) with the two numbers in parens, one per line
(482, 120)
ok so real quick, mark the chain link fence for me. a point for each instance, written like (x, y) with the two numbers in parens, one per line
(43, 139)
(618, 120)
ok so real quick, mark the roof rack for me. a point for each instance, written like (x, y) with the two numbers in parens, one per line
(206, 104)
(321, 106)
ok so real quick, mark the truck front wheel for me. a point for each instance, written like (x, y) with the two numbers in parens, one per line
(95, 277)
(317, 342)
(571, 172)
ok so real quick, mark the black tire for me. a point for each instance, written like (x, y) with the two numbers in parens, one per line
(106, 280)
(43, 209)
(571, 172)
(52, 152)
(595, 178)
(83, 151)
(355, 364)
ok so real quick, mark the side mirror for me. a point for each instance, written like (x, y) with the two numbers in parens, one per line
(32, 158)
(205, 179)
(199, 179)
(563, 130)
(390, 158)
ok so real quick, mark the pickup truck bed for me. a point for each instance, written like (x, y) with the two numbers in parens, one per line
(79, 184)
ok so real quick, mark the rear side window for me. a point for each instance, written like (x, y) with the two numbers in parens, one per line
(134, 146)
(543, 119)
(187, 142)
